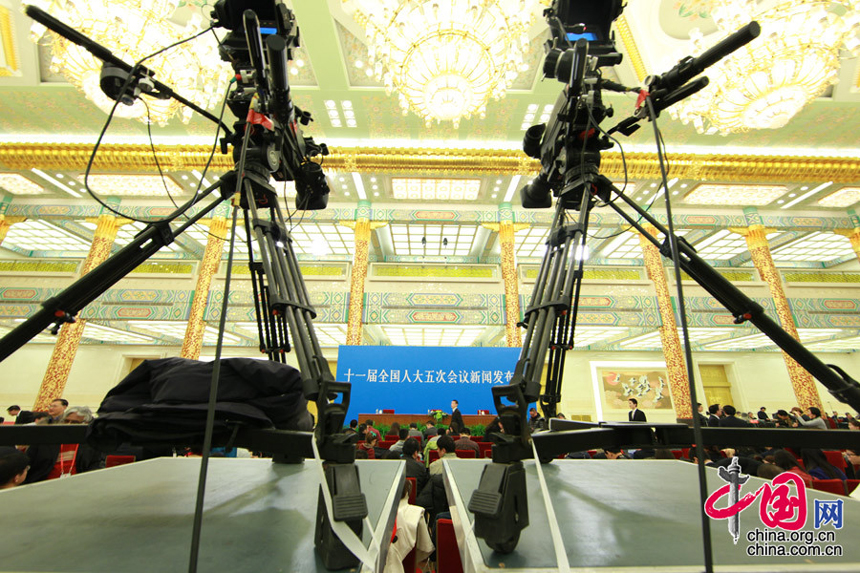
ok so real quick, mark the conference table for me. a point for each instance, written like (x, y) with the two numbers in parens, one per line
(406, 419)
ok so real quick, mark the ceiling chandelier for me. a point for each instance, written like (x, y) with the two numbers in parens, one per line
(132, 29)
(766, 83)
(445, 58)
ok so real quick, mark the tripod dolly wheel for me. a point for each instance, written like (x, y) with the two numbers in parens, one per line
(506, 546)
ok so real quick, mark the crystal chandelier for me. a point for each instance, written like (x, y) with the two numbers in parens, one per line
(132, 29)
(766, 83)
(445, 58)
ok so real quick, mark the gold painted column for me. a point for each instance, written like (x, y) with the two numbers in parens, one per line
(6, 223)
(756, 237)
(70, 334)
(193, 341)
(854, 234)
(363, 227)
(679, 383)
(506, 229)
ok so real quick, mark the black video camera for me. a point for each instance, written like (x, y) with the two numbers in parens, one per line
(580, 43)
(262, 35)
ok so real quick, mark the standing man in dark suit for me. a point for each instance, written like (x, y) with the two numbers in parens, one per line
(714, 417)
(456, 417)
(730, 421)
(762, 413)
(635, 414)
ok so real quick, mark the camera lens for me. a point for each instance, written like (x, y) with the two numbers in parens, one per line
(536, 195)
(532, 139)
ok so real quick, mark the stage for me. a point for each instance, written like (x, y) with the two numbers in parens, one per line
(406, 419)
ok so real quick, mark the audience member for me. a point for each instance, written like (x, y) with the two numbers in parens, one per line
(371, 430)
(56, 409)
(42, 418)
(537, 423)
(465, 442)
(492, 429)
(854, 424)
(414, 431)
(25, 417)
(447, 450)
(49, 461)
(818, 467)
(12, 412)
(611, 454)
(730, 421)
(13, 467)
(703, 419)
(560, 416)
(768, 471)
(787, 462)
(762, 413)
(397, 447)
(353, 427)
(430, 430)
(362, 432)
(664, 453)
(414, 466)
(815, 420)
(432, 445)
(369, 445)
(393, 431)
(412, 533)
(783, 420)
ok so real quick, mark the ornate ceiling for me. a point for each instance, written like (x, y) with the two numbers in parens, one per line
(810, 169)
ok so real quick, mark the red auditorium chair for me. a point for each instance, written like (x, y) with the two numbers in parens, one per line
(488, 453)
(678, 454)
(466, 454)
(851, 485)
(389, 411)
(386, 444)
(835, 459)
(414, 492)
(484, 447)
(112, 461)
(433, 456)
(447, 551)
(835, 486)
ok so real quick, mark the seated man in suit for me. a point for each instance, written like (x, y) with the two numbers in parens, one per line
(730, 420)
(465, 442)
(635, 414)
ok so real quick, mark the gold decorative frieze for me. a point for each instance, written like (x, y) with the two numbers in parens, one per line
(409, 161)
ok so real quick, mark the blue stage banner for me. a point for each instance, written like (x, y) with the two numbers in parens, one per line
(413, 380)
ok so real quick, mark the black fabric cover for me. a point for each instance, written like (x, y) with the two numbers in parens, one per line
(165, 401)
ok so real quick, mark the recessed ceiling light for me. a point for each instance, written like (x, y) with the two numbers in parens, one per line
(342, 178)
(683, 185)
(60, 175)
(185, 177)
(498, 181)
(653, 185)
(294, 71)
(495, 189)
(645, 192)
(493, 196)
(72, 183)
(675, 192)
(346, 193)
(804, 188)
(780, 202)
(373, 179)
(376, 194)
(792, 195)
(375, 187)
(359, 64)
(330, 104)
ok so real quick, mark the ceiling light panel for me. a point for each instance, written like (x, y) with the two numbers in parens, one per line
(851, 344)
(438, 240)
(328, 335)
(624, 246)
(753, 341)
(815, 247)
(135, 185)
(421, 335)
(697, 336)
(36, 235)
(126, 234)
(845, 197)
(436, 189)
(20, 185)
(200, 233)
(745, 195)
(531, 242)
(108, 334)
(176, 329)
(321, 239)
(725, 245)
(585, 335)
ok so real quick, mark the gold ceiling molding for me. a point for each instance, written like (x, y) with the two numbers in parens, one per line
(125, 158)
(9, 60)
(630, 47)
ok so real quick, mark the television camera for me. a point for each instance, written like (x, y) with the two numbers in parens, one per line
(568, 147)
